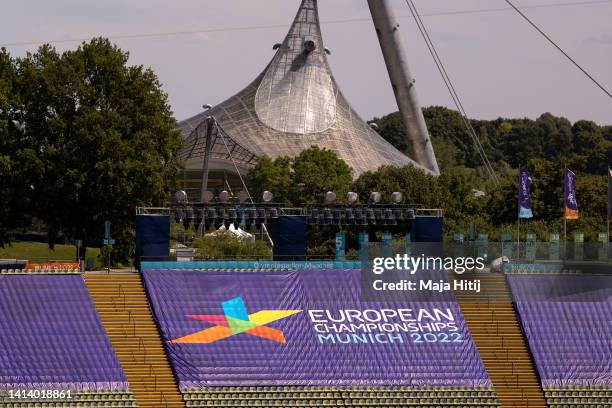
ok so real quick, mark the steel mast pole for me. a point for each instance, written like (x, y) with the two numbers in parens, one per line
(402, 81)
(210, 123)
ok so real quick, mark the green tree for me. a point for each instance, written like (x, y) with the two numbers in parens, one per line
(447, 130)
(587, 135)
(392, 129)
(607, 133)
(415, 186)
(558, 135)
(104, 136)
(225, 245)
(599, 158)
(449, 127)
(303, 179)
(14, 158)
(271, 175)
(316, 171)
(547, 189)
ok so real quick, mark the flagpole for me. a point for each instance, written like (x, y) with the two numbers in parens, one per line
(518, 212)
(609, 203)
(564, 217)
(518, 217)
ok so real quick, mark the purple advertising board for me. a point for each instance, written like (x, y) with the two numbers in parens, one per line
(525, 182)
(306, 328)
(51, 337)
(567, 320)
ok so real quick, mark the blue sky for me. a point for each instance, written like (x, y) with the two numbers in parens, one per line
(500, 65)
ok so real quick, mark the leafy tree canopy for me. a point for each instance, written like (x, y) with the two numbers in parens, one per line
(584, 144)
(14, 163)
(100, 136)
(301, 180)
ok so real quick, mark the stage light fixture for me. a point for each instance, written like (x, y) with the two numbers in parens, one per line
(267, 196)
(360, 217)
(339, 218)
(389, 217)
(370, 216)
(232, 215)
(181, 196)
(396, 197)
(349, 217)
(314, 216)
(188, 219)
(219, 219)
(210, 216)
(221, 214)
(330, 197)
(328, 216)
(272, 213)
(398, 214)
(375, 197)
(199, 216)
(309, 46)
(250, 217)
(352, 197)
(262, 215)
(240, 215)
(224, 196)
(251, 213)
(178, 215)
(208, 196)
(379, 215)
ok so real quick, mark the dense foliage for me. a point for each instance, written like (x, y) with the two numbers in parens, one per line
(89, 139)
(544, 146)
(584, 146)
(226, 245)
(301, 180)
(85, 137)
(16, 160)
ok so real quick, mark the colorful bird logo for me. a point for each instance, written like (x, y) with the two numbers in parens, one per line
(236, 320)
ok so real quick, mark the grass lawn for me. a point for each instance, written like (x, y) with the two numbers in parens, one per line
(40, 252)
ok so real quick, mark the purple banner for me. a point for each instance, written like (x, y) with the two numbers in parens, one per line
(525, 181)
(306, 328)
(51, 337)
(571, 205)
(609, 193)
(567, 320)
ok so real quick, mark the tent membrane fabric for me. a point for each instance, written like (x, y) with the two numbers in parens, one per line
(51, 337)
(567, 321)
(257, 328)
(295, 103)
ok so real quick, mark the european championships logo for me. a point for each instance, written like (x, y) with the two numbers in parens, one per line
(235, 320)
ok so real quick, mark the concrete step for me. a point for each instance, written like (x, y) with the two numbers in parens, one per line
(124, 309)
(495, 328)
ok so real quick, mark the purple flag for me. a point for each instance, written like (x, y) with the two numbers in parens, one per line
(610, 193)
(525, 194)
(571, 206)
